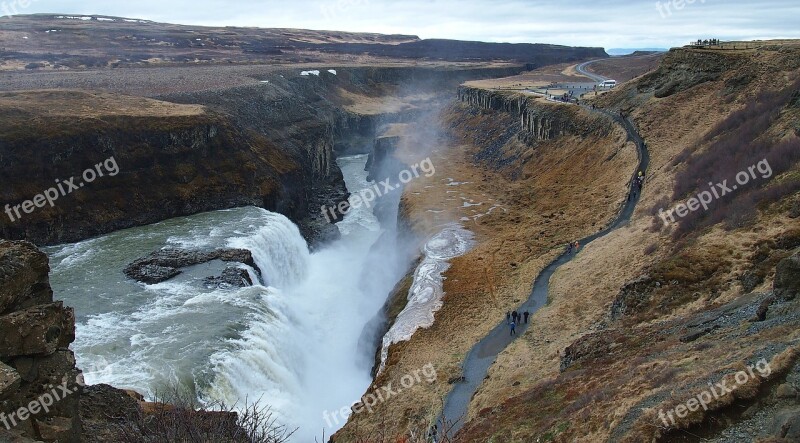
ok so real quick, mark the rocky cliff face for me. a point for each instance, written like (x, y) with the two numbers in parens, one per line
(314, 118)
(526, 122)
(682, 69)
(272, 144)
(148, 162)
(42, 393)
(537, 120)
(39, 383)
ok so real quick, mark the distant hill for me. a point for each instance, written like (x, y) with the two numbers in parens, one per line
(60, 41)
(628, 51)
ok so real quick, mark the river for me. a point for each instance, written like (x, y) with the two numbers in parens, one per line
(291, 342)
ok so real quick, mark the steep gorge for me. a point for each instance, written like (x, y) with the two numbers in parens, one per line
(271, 144)
(517, 191)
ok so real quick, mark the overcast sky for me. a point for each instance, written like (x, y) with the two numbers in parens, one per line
(609, 23)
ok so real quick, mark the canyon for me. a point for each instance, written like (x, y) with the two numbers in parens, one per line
(246, 126)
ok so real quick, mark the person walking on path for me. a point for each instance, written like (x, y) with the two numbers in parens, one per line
(577, 246)
(513, 328)
(433, 434)
(508, 317)
(526, 314)
(569, 248)
(636, 185)
(515, 316)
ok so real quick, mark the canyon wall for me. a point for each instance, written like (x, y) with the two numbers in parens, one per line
(271, 144)
(528, 122)
(148, 161)
(538, 122)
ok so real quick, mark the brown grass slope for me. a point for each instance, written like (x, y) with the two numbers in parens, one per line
(527, 197)
(646, 317)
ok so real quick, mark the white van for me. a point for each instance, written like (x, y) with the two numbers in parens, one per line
(608, 84)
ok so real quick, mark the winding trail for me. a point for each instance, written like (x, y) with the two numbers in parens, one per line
(485, 352)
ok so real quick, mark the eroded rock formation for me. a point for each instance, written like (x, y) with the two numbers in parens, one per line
(39, 382)
(165, 264)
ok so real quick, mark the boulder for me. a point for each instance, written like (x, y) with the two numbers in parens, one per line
(53, 370)
(785, 424)
(750, 280)
(9, 380)
(786, 391)
(165, 264)
(104, 410)
(152, 274)
(787, 277)
(39, 330)
(230, 278)
(35, 335)
(23, 276)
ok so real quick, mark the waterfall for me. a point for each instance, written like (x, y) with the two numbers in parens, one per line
(278, 249)
(290, 343)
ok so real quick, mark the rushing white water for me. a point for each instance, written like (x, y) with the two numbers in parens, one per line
(426, 293)
(292, 344)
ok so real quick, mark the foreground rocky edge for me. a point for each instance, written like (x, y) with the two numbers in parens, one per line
(43, 396)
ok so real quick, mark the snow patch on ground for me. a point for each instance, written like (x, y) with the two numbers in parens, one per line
(307, 73)
(452, 182)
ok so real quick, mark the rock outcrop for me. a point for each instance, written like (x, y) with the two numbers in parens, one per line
(681, 69)
(230, 278)
(509, 126)
(787, 277)
(42, 393)
(538, 121)
(165, 264)
(39, 382)
(632, 295)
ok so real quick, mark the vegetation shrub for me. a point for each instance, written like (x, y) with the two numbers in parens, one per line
(736, 144)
